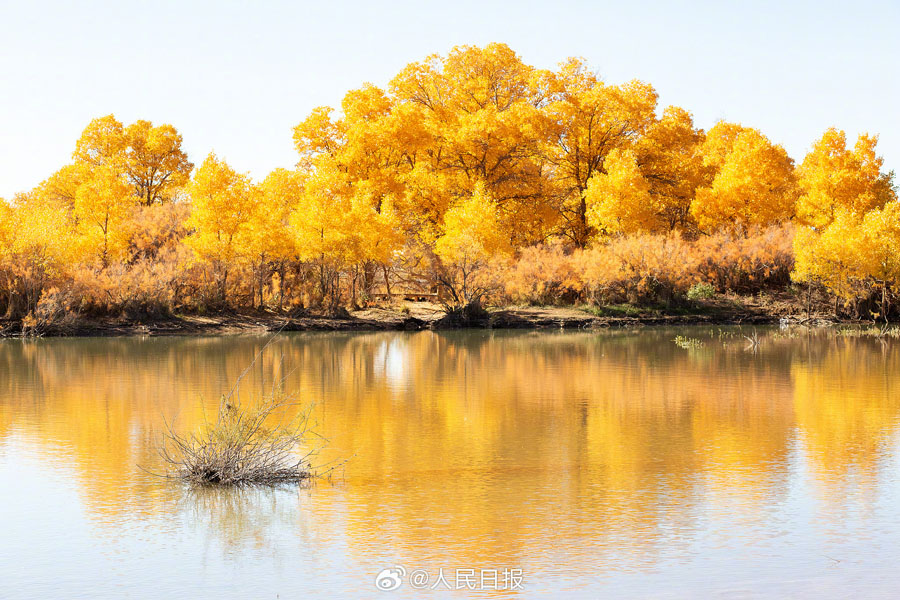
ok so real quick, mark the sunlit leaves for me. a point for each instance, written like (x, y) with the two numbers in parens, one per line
(101, 203)
(671, 160)
(472, 235)
(619, 201)
(851, 209)
(472, 229)
(855, 255)
(224, 203)
(154, 161)
(754, 184)
(588, 119)
(833, 177)
(102, 143)
(149, 156)
(462, 158)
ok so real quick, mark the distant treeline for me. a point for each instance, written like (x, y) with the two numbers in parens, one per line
(474, 176)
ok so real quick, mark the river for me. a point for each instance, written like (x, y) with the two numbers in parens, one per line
(521, 464)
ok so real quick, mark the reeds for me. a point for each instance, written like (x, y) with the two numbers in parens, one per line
(688, 343)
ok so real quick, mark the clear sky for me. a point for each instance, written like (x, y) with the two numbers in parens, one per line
(235, 77)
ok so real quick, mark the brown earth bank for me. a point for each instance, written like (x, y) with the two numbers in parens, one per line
(725, 310)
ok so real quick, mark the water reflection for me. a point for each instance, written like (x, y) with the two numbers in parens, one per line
(579, 455)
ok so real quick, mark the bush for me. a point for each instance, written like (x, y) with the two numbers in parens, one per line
(701, 291)
(746, 262)
(638, 269)
(243, 446)
(688, 343)
(144, 288)
(651, 268)
(543, 275)
(54, 313)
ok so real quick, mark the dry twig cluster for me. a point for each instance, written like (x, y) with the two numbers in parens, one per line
(247, 443)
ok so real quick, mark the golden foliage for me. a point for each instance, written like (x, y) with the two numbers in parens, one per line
(619, 201)
(671, 160)
(223, 204)
(101, 203)
(855, 255)
(753, 185)
(832, 177)
(589, 120)
(472, 235)
(650, 267)
(463, 161)
(154, 161)
(149, 157)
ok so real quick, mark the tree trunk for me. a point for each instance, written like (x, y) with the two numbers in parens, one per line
(387, 281)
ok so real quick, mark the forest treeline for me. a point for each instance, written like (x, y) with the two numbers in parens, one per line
(473, 175)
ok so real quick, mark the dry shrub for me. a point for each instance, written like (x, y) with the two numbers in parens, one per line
(55, 312)
(543, 275)
(151, 229)
(650, 268)
(746, 262)
(247, 443)
(143, 288)
(638, 269)
(23, 283)
(25, 276)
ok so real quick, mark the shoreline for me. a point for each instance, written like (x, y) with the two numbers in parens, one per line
(421, 316)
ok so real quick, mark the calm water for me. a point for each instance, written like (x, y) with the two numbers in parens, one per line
(614, 465)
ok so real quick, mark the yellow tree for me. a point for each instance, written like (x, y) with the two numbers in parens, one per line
(6, 212)
(589, 119)
(718, 143)
(754, 185)
(154, 161)
(879, 252)
(224, 203)
(62, 186)
(854, 256)
(832, 177)
(619, 201)
(101, 205)
(36, 246)
(272, 243)
(368, 143)
(374, 147)
(319, 135)
(6, 237)
(820, 256)
(473, 234)
(102, 143)
(150, 157)
(649, 187)
(670, 157)
(338, 228)
(377, 236)
(473, 116)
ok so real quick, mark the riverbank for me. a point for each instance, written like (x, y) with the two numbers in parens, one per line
(734, 310)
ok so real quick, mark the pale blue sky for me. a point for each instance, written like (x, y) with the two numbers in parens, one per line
(235, 77)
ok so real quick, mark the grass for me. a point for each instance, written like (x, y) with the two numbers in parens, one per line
(687, 343)
(658, 310)
(874, 331)
(701, 291)
(618, 310)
